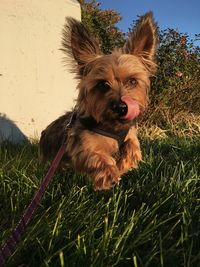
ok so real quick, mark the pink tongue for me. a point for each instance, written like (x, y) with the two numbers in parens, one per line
(133, 108)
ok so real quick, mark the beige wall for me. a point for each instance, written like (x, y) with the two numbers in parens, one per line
(35, 87)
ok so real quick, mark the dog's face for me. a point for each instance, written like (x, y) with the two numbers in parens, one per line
(113, 88)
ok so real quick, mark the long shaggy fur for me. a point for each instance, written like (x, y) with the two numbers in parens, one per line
(102, 142)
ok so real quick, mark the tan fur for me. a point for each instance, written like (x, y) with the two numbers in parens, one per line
(100, 156)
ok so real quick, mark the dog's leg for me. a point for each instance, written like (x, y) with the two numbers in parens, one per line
(130, 153)
(101, 168)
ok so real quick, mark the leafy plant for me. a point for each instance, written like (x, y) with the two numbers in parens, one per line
(102, 23)
(175, 93)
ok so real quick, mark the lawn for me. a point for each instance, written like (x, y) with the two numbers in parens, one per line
(151, 219)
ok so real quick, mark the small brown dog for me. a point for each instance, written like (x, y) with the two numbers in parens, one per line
(113, 91)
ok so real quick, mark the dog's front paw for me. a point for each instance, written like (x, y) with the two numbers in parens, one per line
(129, 158)
(105, 179)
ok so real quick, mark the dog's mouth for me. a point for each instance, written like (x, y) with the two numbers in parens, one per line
(127, 108)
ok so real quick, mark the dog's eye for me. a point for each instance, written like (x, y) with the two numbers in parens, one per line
(132, 82)
(103, 86)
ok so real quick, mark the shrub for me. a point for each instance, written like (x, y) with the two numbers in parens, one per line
(102, 23)
(175, 93)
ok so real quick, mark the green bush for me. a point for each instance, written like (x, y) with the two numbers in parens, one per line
(102, 24)
(176, 86)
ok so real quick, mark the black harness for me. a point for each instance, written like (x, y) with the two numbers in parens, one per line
(90, 124)
(119, 137)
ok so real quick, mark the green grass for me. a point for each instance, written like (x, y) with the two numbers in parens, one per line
(151, 219)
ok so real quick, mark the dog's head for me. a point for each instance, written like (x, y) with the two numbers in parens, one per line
(113, 88)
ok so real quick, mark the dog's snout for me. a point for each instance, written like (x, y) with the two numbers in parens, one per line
(119, 107)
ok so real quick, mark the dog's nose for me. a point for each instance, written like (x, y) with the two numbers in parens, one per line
(119, 107)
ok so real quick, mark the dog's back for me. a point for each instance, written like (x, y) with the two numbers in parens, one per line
(52, 138)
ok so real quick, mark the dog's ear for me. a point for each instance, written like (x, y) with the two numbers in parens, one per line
(79, 45)
(143, 40)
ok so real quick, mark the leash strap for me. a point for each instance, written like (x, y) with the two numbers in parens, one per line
(9, 246)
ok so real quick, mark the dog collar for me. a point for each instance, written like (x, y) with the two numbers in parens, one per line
(91, 125)
(119, 137)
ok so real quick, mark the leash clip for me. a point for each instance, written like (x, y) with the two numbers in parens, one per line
(71, 120)
(68, 126)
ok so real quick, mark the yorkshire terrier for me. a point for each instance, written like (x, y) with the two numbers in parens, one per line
(112, 93)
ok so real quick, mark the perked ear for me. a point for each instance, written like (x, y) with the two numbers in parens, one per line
(79, 45)
(143, 41)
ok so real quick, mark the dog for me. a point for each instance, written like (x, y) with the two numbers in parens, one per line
(113, 90)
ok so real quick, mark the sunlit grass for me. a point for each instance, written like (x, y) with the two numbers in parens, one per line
(150, 219)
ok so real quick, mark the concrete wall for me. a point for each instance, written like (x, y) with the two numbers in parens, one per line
(35, 87)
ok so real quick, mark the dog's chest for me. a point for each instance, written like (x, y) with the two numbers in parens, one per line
(98, 143)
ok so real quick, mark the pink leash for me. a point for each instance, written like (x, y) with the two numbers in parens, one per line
(9, 246)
